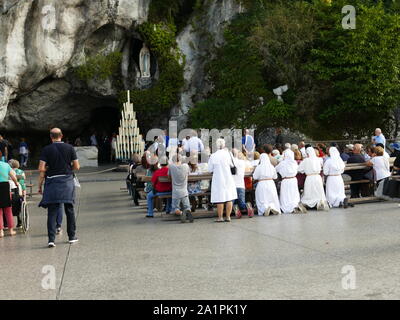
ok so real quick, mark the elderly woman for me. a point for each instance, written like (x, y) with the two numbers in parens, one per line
(333, 169)
(314, 195)
(223, 189)
(380, 165)
(6, 173)
(266, 195)
(289, 195)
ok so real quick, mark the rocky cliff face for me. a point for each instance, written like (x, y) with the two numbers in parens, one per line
(41, 41)
(196, 42)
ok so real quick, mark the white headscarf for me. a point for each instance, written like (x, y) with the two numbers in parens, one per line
(288, 167)
(336, 161)
(265, 169)
(314, 162)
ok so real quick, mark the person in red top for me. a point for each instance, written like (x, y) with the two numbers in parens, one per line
(159, 188)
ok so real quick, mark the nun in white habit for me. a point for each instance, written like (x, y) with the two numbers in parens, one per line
(266, 195)
(313, 194)
(289, 194)
(223, 188)
(333, 169)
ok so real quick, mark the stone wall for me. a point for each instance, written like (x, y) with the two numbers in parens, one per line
(87, 156)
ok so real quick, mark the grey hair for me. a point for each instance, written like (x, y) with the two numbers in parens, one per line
(220, 143)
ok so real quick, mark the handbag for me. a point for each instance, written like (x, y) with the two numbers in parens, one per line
(233, 169)
(76, 182)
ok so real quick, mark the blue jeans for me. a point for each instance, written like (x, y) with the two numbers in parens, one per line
(150, 207)
(24, 160)
(241, 200)
(59, 217)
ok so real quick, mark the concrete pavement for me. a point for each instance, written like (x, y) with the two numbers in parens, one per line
(122, 255)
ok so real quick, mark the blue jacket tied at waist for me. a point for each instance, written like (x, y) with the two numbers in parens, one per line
(58, 190)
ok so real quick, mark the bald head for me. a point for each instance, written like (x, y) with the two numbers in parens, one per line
(378, 131)
(357, 148)
(55, 134)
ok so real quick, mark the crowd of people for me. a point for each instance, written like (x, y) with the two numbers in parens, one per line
(284, 178)
(266, 179)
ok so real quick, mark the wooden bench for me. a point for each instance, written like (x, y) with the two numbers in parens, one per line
(208, 176)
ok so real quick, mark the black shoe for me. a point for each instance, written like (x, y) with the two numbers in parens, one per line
(345, 203)
(189, 216)
(149, 216)
(51, 245)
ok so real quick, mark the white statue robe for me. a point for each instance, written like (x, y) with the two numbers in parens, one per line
(333, 168)
(223, 187)
(266, 194)
(289, 194)
(313, 186)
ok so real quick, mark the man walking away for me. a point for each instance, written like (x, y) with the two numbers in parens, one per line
(57, 163)
(179, 175)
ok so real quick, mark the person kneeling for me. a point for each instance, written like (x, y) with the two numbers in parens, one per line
(179, 175)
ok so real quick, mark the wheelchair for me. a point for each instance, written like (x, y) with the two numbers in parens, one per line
(20, 209)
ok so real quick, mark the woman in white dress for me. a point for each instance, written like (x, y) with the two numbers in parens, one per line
(289, 195)
(313, 195)
(266, 195)
(333, 169)
(223, 189)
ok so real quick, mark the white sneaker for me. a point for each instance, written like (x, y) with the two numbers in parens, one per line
(73, 241)
(51, 245)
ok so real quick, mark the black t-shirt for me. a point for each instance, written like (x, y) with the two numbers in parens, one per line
(58, 157)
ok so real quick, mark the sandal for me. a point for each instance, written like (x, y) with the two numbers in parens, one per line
(228, 220)
(219, 220)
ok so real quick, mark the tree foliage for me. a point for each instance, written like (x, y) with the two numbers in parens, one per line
(341, 81)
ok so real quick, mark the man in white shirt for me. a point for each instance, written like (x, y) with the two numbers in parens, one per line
(379, 138)
(195, 145)
(248, 142)
(185, 145)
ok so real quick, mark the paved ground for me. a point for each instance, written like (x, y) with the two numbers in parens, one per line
(122, 255)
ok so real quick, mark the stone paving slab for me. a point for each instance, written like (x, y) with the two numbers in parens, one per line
(123, 255)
